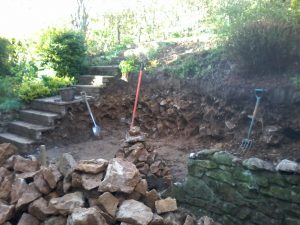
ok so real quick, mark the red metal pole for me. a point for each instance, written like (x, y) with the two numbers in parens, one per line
(137, 95)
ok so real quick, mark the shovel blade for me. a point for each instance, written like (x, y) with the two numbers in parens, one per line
(96, 130)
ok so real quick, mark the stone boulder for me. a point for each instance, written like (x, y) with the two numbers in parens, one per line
(67, 203)
(41, 183)
(29, 164)
(134, 212)
(6, 151)
(29, 195)
(86, 216)
(6, 212)
(92, 166)
(28, 219)
(288, 166)
(120, 176)
(55, 220)
(258, 164)
(6, 181)
(41, 209)
(108, 203)
(165, 205)
(51, 175)
(91, 181)
(66, 164)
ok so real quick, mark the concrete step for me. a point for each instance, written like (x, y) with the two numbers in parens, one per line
(39, 117)
(54, 104)
(113, 70)
(95, 80)
(23, 144)
(28, 130)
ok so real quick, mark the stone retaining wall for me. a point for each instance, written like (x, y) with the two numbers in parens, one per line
(235, 191)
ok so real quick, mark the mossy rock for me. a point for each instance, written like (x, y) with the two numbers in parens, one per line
(222, 176)
(224, 158)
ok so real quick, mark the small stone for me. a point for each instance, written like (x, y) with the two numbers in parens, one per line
(134, 212)
(205, 220)
(22, 164)
(189, 220)
(67, 203)
(120, 176)
(288, 166)
(165, 205)
(157, 220)
(90, 216)
(134, 131)
(56, 220)
(76, 180)
(94, 166)
(91, 181)
(108, 203)
(66, 164)
(155, 167)
(52, 175)
(150, 198)
(142, 187)
(28, 219)
(41, 184)
(6, 212)
(258, 164)
(41, 209)
(26, 175)
(144, 168)
(6, 151)
(6, 182)
(17, 189)
(29, 195)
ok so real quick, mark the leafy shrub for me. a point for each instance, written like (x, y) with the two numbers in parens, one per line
(8, 99)
(265, 46)
(54, 83)
(129, 65)
(5, 51)
(32, 89)
(64, 51)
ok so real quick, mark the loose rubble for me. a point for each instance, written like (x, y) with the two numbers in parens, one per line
(93, 192)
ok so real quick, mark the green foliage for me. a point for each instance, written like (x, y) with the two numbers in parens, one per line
(54, 83)
(129, 65)
(8, 99)
(5, 51)
(296, 81)
(64, 51)
(265, 46)
(32, 89)
(22, 60)
(197, 64)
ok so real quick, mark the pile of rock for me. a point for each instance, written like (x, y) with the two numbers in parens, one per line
(74, 193)
(143, 155)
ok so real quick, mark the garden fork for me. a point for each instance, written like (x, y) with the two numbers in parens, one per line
(247, 142)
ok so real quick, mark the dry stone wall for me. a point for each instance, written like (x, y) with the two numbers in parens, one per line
(235, 191)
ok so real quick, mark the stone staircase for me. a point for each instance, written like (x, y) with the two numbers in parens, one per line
(43, 114)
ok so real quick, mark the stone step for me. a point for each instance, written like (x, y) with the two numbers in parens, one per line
(113, 70)
(89, 89)
(95, 80)
(29, 130)
(23, 144)
(54, 104)
(39, 117)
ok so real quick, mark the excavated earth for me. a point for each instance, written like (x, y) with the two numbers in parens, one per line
(183, 116)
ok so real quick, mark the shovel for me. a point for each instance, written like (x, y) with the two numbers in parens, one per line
(247, 142)
(96, 129)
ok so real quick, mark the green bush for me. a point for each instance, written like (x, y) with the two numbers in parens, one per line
(32, 89)
(5, 51)
(64, 51)
(128, 65)
(265, 46)
(8, 98)
(54, 83)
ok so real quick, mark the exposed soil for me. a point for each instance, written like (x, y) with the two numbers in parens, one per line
(179, 118)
